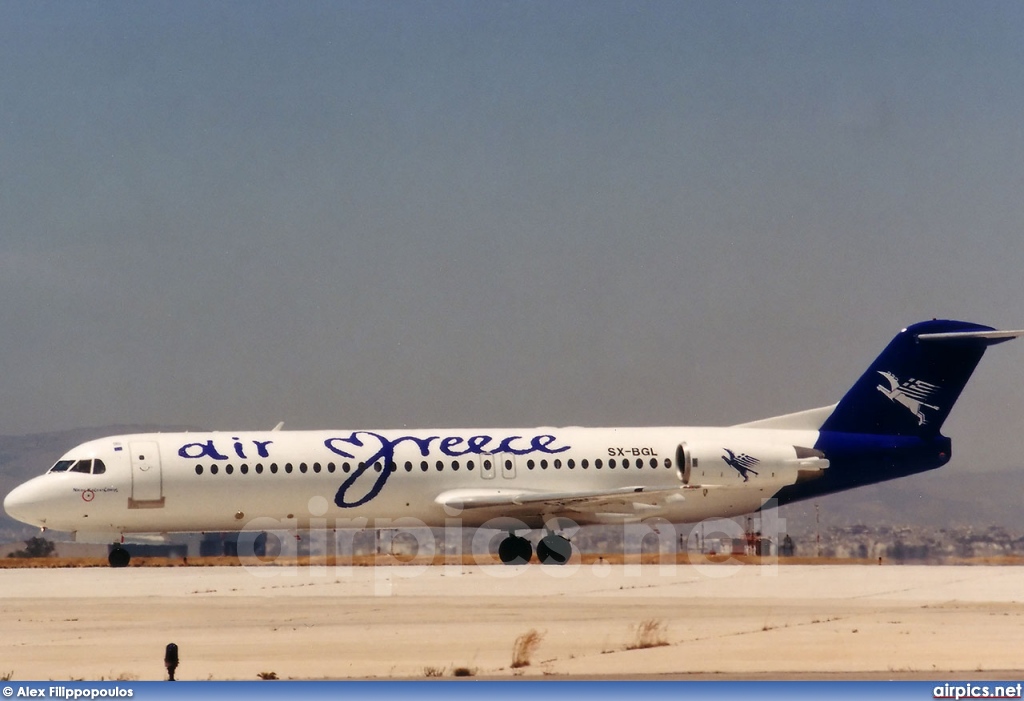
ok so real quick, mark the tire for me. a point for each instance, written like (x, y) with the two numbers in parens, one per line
(515, 550)
(554, 550)
(119, 557)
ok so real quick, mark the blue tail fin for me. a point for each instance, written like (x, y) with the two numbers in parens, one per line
(911, 387)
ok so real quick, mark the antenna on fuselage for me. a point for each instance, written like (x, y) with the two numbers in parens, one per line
(280, 425)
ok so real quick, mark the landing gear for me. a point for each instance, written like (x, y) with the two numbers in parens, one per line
(119, 557)
(554, 550)
(551, 550)
(515, 550)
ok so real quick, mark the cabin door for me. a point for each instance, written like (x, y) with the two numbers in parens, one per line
(147, 476)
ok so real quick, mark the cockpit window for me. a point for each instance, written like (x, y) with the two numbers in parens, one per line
(82, 466)
(95, 467)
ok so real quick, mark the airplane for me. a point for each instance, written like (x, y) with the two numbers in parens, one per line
(885, 427)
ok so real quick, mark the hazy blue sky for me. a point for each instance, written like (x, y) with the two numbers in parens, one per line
(501, 213)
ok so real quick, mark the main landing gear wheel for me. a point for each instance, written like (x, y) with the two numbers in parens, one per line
(554, 550)
(515, 550)
(119, 557)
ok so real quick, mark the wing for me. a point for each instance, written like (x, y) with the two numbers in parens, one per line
(632, 502)
(561, 502)
(623, 505)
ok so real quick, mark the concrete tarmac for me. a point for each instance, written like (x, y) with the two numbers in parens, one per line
(727, 621)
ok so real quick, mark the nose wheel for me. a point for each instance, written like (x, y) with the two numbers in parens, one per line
(119, 557)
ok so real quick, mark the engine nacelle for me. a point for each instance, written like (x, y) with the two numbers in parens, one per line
(765, 463)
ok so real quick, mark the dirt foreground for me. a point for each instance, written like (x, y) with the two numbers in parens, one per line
(590, 620)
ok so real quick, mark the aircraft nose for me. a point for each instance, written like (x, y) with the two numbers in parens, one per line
(24, 504)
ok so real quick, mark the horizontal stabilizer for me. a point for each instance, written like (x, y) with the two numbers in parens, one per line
(993, 336)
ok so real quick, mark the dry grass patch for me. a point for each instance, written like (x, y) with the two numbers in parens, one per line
(648, 633)
(524, 647)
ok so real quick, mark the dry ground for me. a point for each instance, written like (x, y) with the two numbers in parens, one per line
(311, 622)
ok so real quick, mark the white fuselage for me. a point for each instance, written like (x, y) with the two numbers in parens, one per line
(182, 482)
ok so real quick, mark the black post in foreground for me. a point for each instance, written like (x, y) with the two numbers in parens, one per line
(171, 660)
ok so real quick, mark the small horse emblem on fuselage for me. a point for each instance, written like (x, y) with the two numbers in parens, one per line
(741, 463)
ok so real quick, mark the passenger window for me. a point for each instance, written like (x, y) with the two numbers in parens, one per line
(98, 468)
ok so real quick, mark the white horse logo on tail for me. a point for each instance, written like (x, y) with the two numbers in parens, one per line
(911, 394)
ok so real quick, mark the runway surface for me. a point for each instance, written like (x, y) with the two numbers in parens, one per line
(412, 622)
